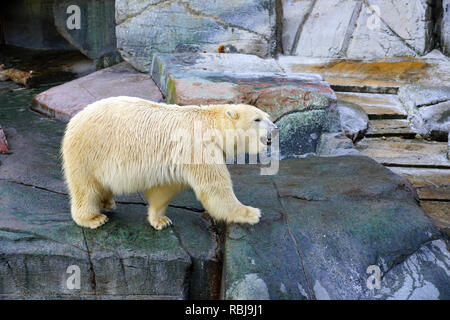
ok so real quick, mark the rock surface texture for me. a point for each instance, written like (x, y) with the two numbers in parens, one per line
(127, 259)
(146, 27)
(428, 110)
(362, 29)
(335, 217)
(325, 221)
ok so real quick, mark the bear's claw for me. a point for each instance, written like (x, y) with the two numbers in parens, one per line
(108, 204)
(160, 223)
(253, 215)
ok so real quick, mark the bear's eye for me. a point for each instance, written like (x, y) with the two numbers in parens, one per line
(257, 120)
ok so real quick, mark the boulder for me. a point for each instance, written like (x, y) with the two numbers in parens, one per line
(361, 29)
(303, 106)
(428, 110)
(354, 120)
(325, 222)
(64, 101)
(146, 27)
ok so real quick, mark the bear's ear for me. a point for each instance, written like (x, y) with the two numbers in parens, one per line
(231, 114)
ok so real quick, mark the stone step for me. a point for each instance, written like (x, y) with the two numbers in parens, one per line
(377, 106)
(399, 152)
(439, 212)
(424, 177)
(431, 184)
(389, 128)
(384, 75)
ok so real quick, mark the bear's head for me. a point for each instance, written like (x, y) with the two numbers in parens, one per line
(248, 128)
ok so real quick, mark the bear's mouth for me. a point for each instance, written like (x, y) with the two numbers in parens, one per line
(267, 141)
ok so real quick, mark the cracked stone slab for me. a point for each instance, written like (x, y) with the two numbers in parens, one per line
(64, 101)
(303, 106)
(144, 28)
(377, 106)
(396, 151)
(390, 127)
(329, 219)
(129, 257)
(38, 242)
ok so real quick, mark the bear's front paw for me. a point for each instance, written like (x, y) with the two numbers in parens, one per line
(160, 223)
(94, 222)
(248, 214)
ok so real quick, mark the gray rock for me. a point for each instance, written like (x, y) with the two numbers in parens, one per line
(300, 132)
(391, 29)
(354, 120)
(420, 276)
(146, 27)
(326, 221)
(335, 144)
(428, 110)
(357, 29)
(96, 37)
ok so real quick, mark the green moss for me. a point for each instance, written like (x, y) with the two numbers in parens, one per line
(171, 92)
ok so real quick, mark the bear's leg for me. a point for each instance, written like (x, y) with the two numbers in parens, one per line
(222, 204)
(159, 198)
(107, 200)
(85, 203)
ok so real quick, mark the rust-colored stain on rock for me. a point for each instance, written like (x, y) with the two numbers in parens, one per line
(408, 69)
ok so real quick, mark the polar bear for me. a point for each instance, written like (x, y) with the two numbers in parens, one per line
(124, 145)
